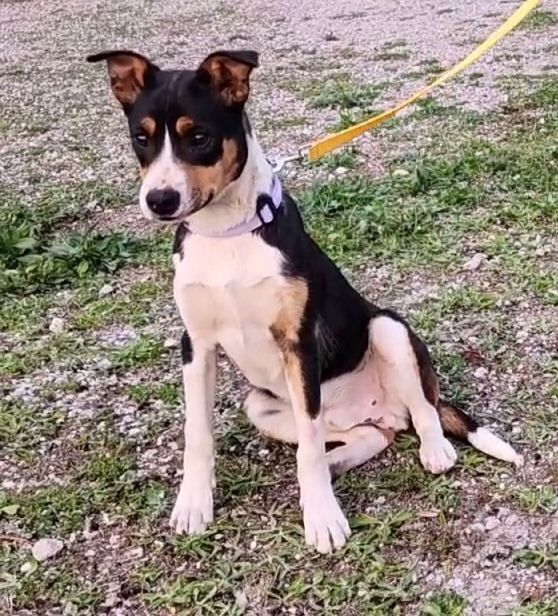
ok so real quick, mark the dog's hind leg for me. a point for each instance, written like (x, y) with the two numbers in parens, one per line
(355, 446)
(345, 449)
(395, 349)
(271, 416)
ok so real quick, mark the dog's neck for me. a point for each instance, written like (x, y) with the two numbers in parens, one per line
(237, 202)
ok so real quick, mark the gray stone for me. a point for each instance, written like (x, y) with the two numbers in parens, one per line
(46, 548)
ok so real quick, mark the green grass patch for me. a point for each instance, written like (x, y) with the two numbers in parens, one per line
(23, 428)
(144, 351)
(540, 19)
(546, 557)
(421, 214)
(391, 56)
(25, 314)
(37, 251)
(169, 393)
(43, 589)
(444, 604)
(548, 607)
(60, 348)
(358, 576)
(104, 485)
(539, 500)
(344, 95)
(135, 307)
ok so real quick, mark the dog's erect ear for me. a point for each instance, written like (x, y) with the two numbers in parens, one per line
(228, 72)
(129, 73)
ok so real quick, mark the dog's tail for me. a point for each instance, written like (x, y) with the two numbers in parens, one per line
(457, 423)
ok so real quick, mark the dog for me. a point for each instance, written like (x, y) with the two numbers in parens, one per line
(328, 370)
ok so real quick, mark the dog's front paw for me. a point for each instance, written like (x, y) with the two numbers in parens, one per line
(325, 526)
(437, 454)
(193, 509)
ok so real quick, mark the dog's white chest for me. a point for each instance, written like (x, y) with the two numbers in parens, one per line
(227, 291)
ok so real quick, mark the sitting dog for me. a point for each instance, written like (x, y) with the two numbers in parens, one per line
(328, 370)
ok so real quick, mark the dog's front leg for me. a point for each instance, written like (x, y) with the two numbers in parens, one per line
(193, 510)
(324, 523)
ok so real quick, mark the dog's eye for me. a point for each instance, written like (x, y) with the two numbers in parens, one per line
(200, 139)
(141, 139)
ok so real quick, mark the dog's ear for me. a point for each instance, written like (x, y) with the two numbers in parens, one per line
(129, 73)
(228, 72)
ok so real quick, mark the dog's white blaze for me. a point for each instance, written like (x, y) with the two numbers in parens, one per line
(494, 446)
(165, 172)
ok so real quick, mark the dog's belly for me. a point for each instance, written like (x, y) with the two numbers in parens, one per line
(359, 398)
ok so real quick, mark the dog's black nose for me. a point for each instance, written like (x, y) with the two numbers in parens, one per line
(164, 202)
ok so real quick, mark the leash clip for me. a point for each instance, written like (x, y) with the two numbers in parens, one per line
(280, 162)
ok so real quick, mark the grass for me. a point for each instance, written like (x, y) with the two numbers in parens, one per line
(107, 484)
(166, 392)
(391, 56)
(446, 604)
(539, 558)
(343, 95)
(540, 19)
(37, 252)
(40, 589)
(538, 608)
(441, 198)
(142, 352)
(24, 428)
(61, 348)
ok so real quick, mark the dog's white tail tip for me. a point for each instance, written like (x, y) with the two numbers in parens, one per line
(483, 440)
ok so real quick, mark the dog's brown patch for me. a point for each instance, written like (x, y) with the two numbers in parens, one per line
(212, 180)
(428, 377)
(183, 125)
(149, 126)
(286, 332)
(455, 422)
(292, 302)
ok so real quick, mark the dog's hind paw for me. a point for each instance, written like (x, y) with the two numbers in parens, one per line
(437, 454)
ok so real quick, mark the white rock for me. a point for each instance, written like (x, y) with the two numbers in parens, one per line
(400, 172)
(27, 566)
(241, 599)
(474, 262)
(105, 290)
(46, 548)
(104, 364)
(480, 373)
(170, 343)
(341, 171)
(111, 600)
(56, 325)
(491, 523)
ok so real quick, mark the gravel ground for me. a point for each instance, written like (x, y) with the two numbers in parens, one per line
(43, 44)
(60, 128)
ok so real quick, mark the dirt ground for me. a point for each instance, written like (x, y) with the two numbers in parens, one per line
(449, 214)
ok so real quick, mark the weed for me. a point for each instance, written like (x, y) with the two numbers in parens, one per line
(445, 604)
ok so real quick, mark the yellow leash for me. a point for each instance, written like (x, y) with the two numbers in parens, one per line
(324, 146)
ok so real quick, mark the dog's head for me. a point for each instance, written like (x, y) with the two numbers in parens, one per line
(188, 128)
